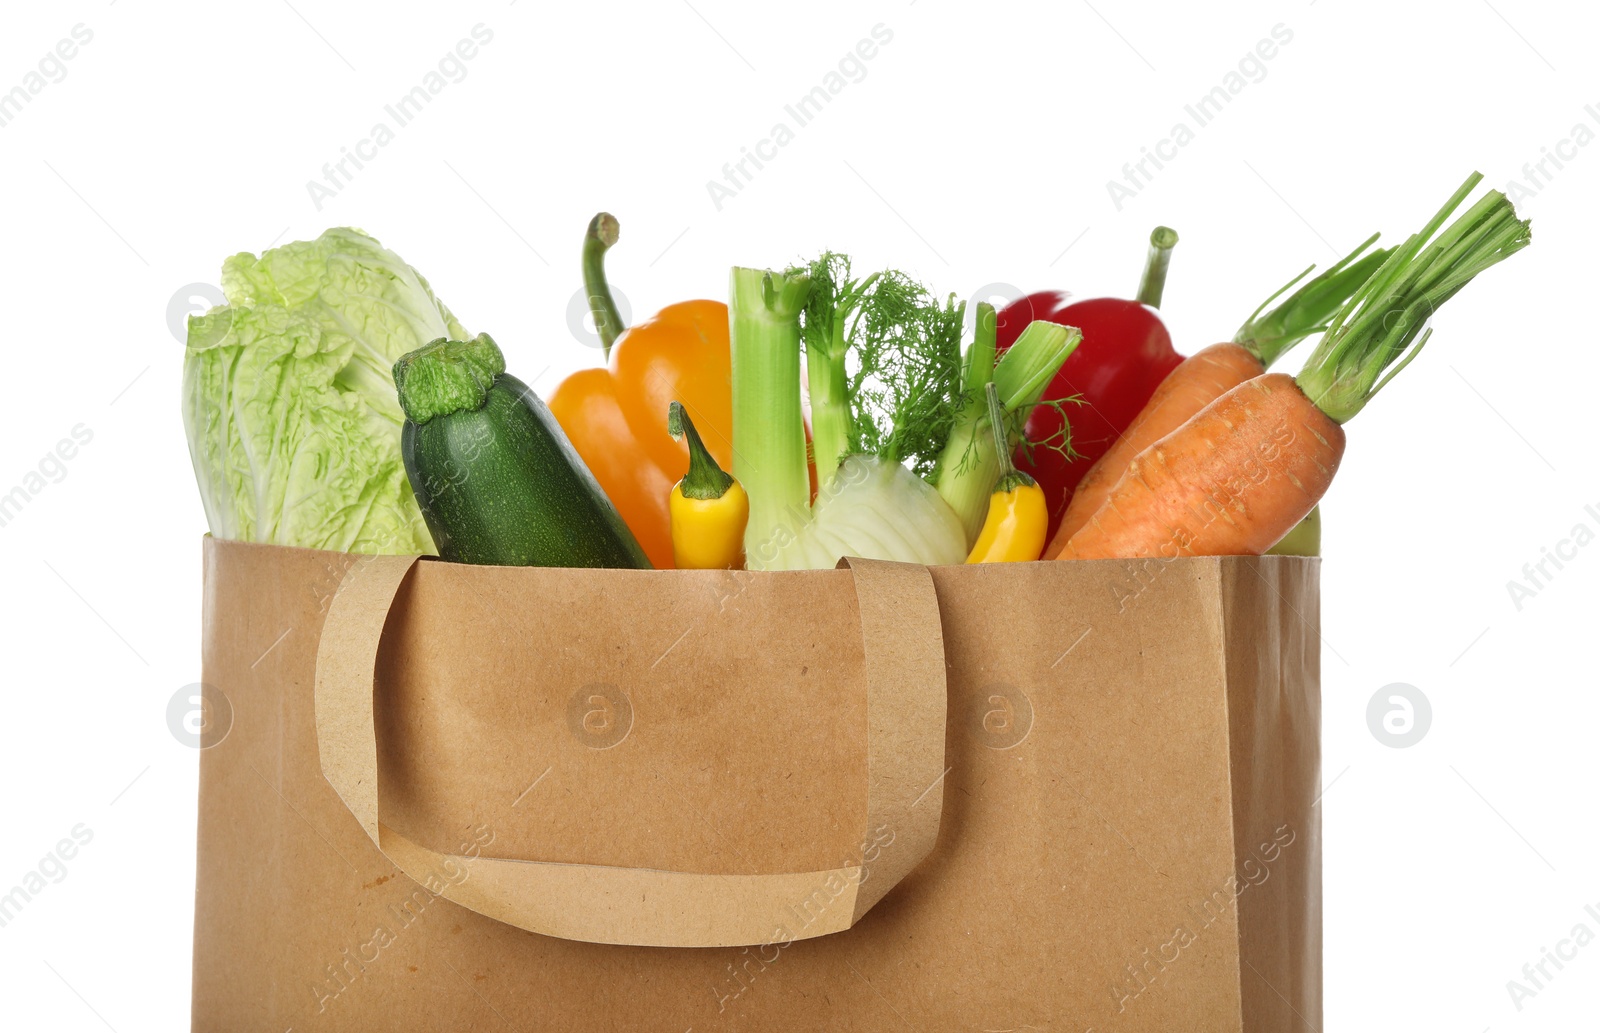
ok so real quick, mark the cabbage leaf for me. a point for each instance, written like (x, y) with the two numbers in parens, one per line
(288, 402)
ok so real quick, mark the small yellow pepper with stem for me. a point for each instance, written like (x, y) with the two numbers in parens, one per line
(708, 507)
(1014, 529)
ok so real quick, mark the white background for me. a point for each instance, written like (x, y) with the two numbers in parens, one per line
(975, 150)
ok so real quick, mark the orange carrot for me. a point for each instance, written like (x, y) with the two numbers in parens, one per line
(1239, 474)
(1196, 382)
(1205, 375)
(1230, 481)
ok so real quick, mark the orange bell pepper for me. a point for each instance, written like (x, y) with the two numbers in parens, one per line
(615, 415)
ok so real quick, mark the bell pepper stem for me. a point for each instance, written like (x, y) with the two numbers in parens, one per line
(1154, 281)
(705, 479)
(603, 232)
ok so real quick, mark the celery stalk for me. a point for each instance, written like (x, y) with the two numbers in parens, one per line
(769, 442)
(829, 387)
(977, 369)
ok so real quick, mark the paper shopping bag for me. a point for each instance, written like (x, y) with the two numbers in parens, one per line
(1057, 796)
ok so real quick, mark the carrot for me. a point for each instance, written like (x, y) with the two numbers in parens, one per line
(1240, 473)
(1230, 481)
(1207, 374)
(1197, 381)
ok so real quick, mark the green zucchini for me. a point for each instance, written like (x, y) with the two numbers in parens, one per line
(496, 478)
(1304, 540)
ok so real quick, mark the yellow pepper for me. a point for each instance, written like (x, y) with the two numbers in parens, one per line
(1014, 529)
(708, 507)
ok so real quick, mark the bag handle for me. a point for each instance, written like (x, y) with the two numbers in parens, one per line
(906, 703)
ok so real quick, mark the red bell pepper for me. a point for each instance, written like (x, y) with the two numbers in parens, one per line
(1126, 352)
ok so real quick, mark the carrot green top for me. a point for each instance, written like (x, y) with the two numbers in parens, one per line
(1267, 334)
(1377, 327)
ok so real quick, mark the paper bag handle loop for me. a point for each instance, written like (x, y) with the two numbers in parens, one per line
(906, 704)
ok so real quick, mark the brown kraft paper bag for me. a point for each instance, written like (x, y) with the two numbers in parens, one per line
(1057, 796)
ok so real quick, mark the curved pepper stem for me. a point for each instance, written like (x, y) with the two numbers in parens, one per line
(603, 232)
(705, 479)
(1010, 478)
(1162, 240)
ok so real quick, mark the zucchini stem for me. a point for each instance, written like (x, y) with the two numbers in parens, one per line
(447, 377)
